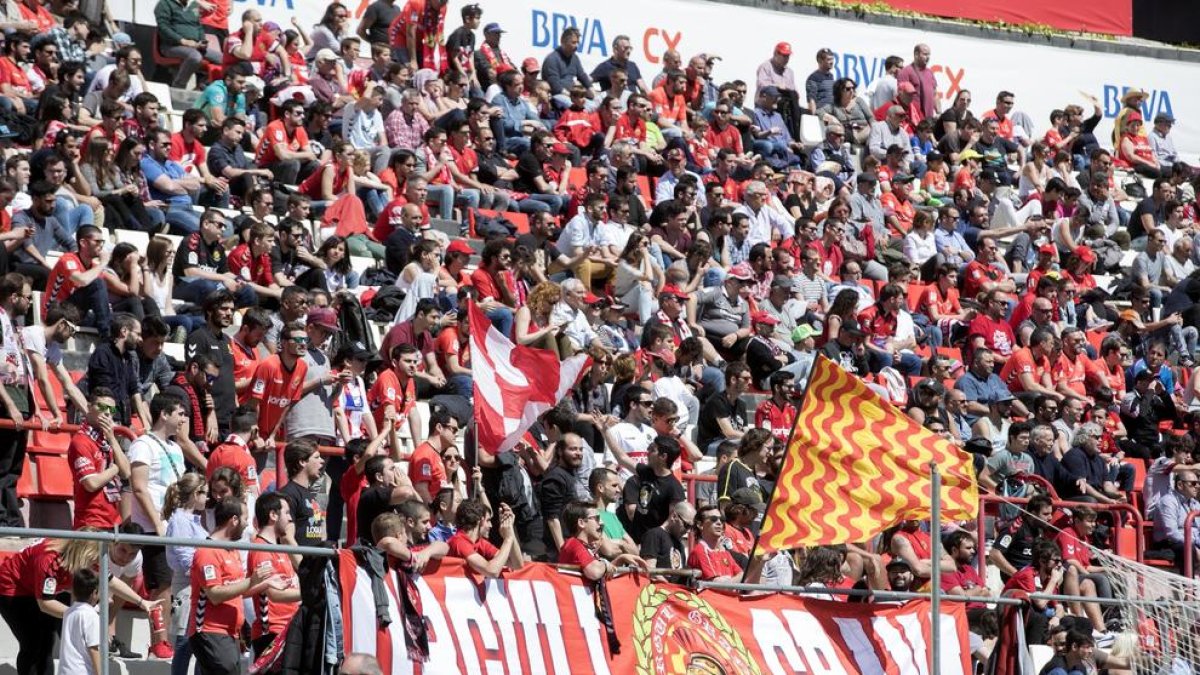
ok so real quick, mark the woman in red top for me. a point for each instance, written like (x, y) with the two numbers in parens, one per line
(1135, 149)
(334, 177)
(35, 587)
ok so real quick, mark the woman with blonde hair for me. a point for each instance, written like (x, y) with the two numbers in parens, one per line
(532, 325)
(638, 278)
(159, 285)
(35, 591)
(183, 512)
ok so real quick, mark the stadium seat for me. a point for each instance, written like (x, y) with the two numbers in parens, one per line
(54, 481)
(915, 291)
(25, 486)
(48, 443)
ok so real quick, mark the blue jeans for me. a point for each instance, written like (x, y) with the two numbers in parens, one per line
(540, 202)
(183, 655)
(462, 385)
(502, 319)
(189, 322)
(468, 198)
(196, 290)
(373, 201)
(93, 298)
(72, 215)
(443, 196)
(910, 364)
(183, 219)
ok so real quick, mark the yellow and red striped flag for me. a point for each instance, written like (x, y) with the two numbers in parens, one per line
(856, 465)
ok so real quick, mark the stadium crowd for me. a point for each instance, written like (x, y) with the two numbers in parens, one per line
(1023, 288)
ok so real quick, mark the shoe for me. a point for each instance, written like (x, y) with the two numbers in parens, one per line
(162, 650)
(118, 648)
(1103, 639)
(180, 335)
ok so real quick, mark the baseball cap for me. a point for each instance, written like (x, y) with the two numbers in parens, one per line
(667, 356)
(741, 272)
(324, 317)
(988, 174)
(1129, 315)
(1085, 254)
(902, 178)
(851, 327)
(783, 48)
(969, 154)
(748, 497)
(1134, 116)
(906, 88)
(1005, 397)
(326, 55)
(1164, 118)
(867, 177)
(460, 246)
(897, 563)
(591, 298)
(531, 65)
(934, 156)
(674, 291)
(782, 281)
(764, 317)
(355, 350)
(1048, 249)
(560, 149)
(493, 28)
(770, 90)
(803, 332)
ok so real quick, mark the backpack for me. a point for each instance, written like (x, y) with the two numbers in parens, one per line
(493, 226)
(21, 128)
(386, 303)
(356, 327)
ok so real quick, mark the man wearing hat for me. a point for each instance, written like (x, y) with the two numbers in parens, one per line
(887, 131)
(774, 72)
(1163, 144)
(721, 313)
(763, 354)
(896, 204)
(312, 416)
(490, 60)
(900, 575)
(849, 349)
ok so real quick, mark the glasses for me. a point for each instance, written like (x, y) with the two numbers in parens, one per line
(299, 339)
(452, 458)
(645, 403)
(202, 491)
(714, 519)
(211, 379)
(105, 409)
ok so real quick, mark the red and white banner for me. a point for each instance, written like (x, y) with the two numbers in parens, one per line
(514, 384)
(1114, 17)
(540, 620)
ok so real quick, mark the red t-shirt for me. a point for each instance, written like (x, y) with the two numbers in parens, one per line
(932, 298)
(425, 466)
(250, 268)
(59, 286)
(673, 108)
(34, 572)
(235, 454)
(976, 275)
(728, 139)
(12, 74)
(213, 567)
(272, 616)
(965, 577)
(1026, 580)
(1023, 362)
(1072, 548)
(388, 390)
(187, 155)
(446, 345)
(712, 562)
(485, 284)
(351, 489)
(574, 552)
(776, 419)
(245, 362)
(997, 335)
(88, 454)
(1073, 373)
(627, 129)
(461, 547)
(275, 136)
(276, 388)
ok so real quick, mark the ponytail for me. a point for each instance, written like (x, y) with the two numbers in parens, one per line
(180, 493)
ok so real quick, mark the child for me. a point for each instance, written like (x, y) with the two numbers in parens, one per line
(934, 182)
(79, 648)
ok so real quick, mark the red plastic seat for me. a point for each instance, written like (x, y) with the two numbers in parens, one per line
(49, 442)
(915, 291)
(25, 486)
(54, 482)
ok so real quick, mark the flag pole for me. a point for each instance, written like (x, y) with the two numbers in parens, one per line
(935, 577)
(774, 485)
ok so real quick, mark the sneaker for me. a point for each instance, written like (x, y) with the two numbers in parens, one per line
(1103, 639)
(162, 650)
(120, 650)
(179, 335)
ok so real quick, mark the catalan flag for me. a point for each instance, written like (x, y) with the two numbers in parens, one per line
(855, 466)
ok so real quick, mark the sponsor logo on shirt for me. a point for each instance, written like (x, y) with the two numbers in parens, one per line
(210, 572)
(49, 586)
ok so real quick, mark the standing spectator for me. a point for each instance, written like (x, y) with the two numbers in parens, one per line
(79, 648)
(774, 72)
(490, 60)
(182, 37)
(883, 89)
(819, 85)
(273, 606)
(563, 69)
(218, 584)
(708, 555)
(376, 22)
(556, 490)
(920, 75)
(653, 490)
(113, 364)
(304, 466)
(156, 462)
(311, 417)
(98, 465)
(43, 347)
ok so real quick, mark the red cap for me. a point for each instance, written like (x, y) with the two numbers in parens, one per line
(1134, 115)
(324, 317)
(531, 65)
(459, 246)
(907, 88)
(673, 290)
(741, 272)
(504, 68)
(783, 48)
(764, 317)
(591, 298)
(560, 149)
(1085, 254)
(1048, 249)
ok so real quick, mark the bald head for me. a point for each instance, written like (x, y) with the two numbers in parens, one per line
(360, 664)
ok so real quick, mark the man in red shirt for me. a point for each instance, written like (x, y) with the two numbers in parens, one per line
(474, 521)
(989, 329)
(395, 390)
(669, 104)
(14, 83)
(189, 152)
(1043, 575)
(1029, 370)
(986, 272)
(279, 381)
(898, 208)
(965, 579)
(284, 148)
(1070, 372)
(273, 606)
(880, 322)
(235, 452)
(244, 346)
(713, 560)
(777, 414)
(111, 115)
(583, 534)
(251, 261)
(218, 583)
(492, 281)
(77, 278)
(98, 465)
(425, 468)
(1080, 576)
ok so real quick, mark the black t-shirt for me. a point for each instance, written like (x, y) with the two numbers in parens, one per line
(1145, 207)
(382, 13)
(663, 550)
(371, 503)
(531, 242)
(716, 407)
(762, 360)
(652, 497)
(556, 490)
(195, 252)
(306, 511)
(219, 349)
(460, 46)
(1016, 545)
(529, 167)
(1000, 149)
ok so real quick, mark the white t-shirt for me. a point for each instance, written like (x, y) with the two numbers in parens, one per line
(634, 441)
(80, 632)
(130, 571)
(165, 462)
(34, 339)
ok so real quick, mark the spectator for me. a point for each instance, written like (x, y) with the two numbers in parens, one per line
(713, 561)
(562, 69)
(275, 605)
(182, 37)
(653, 490)
(1170, 515)
(284, 148)
(920, 76)
(965, 579)
(723, 416)
(474, 521)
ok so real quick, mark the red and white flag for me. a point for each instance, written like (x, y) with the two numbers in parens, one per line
(514, 384)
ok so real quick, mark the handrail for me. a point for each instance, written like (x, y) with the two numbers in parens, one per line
(114, 537)
(34, 425)
(1187, 543)
(985, 499)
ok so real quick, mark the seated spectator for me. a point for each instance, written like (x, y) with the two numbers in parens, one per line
(1082, 577)
(723, 416)
(251, 261)
(1178, 456)
(713, 561)
(284, 148)
(965, 579)
(182, 37)
(1014, 547)
(1142, 409)
(169, 182)
(1043, 575)
(1093, 478)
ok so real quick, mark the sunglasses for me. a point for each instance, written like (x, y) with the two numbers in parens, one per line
(299, 339)
(106, 409)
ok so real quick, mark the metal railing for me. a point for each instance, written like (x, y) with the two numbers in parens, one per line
(107, 539)
(1188, 546)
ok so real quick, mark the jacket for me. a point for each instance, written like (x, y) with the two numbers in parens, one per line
(176, 22)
